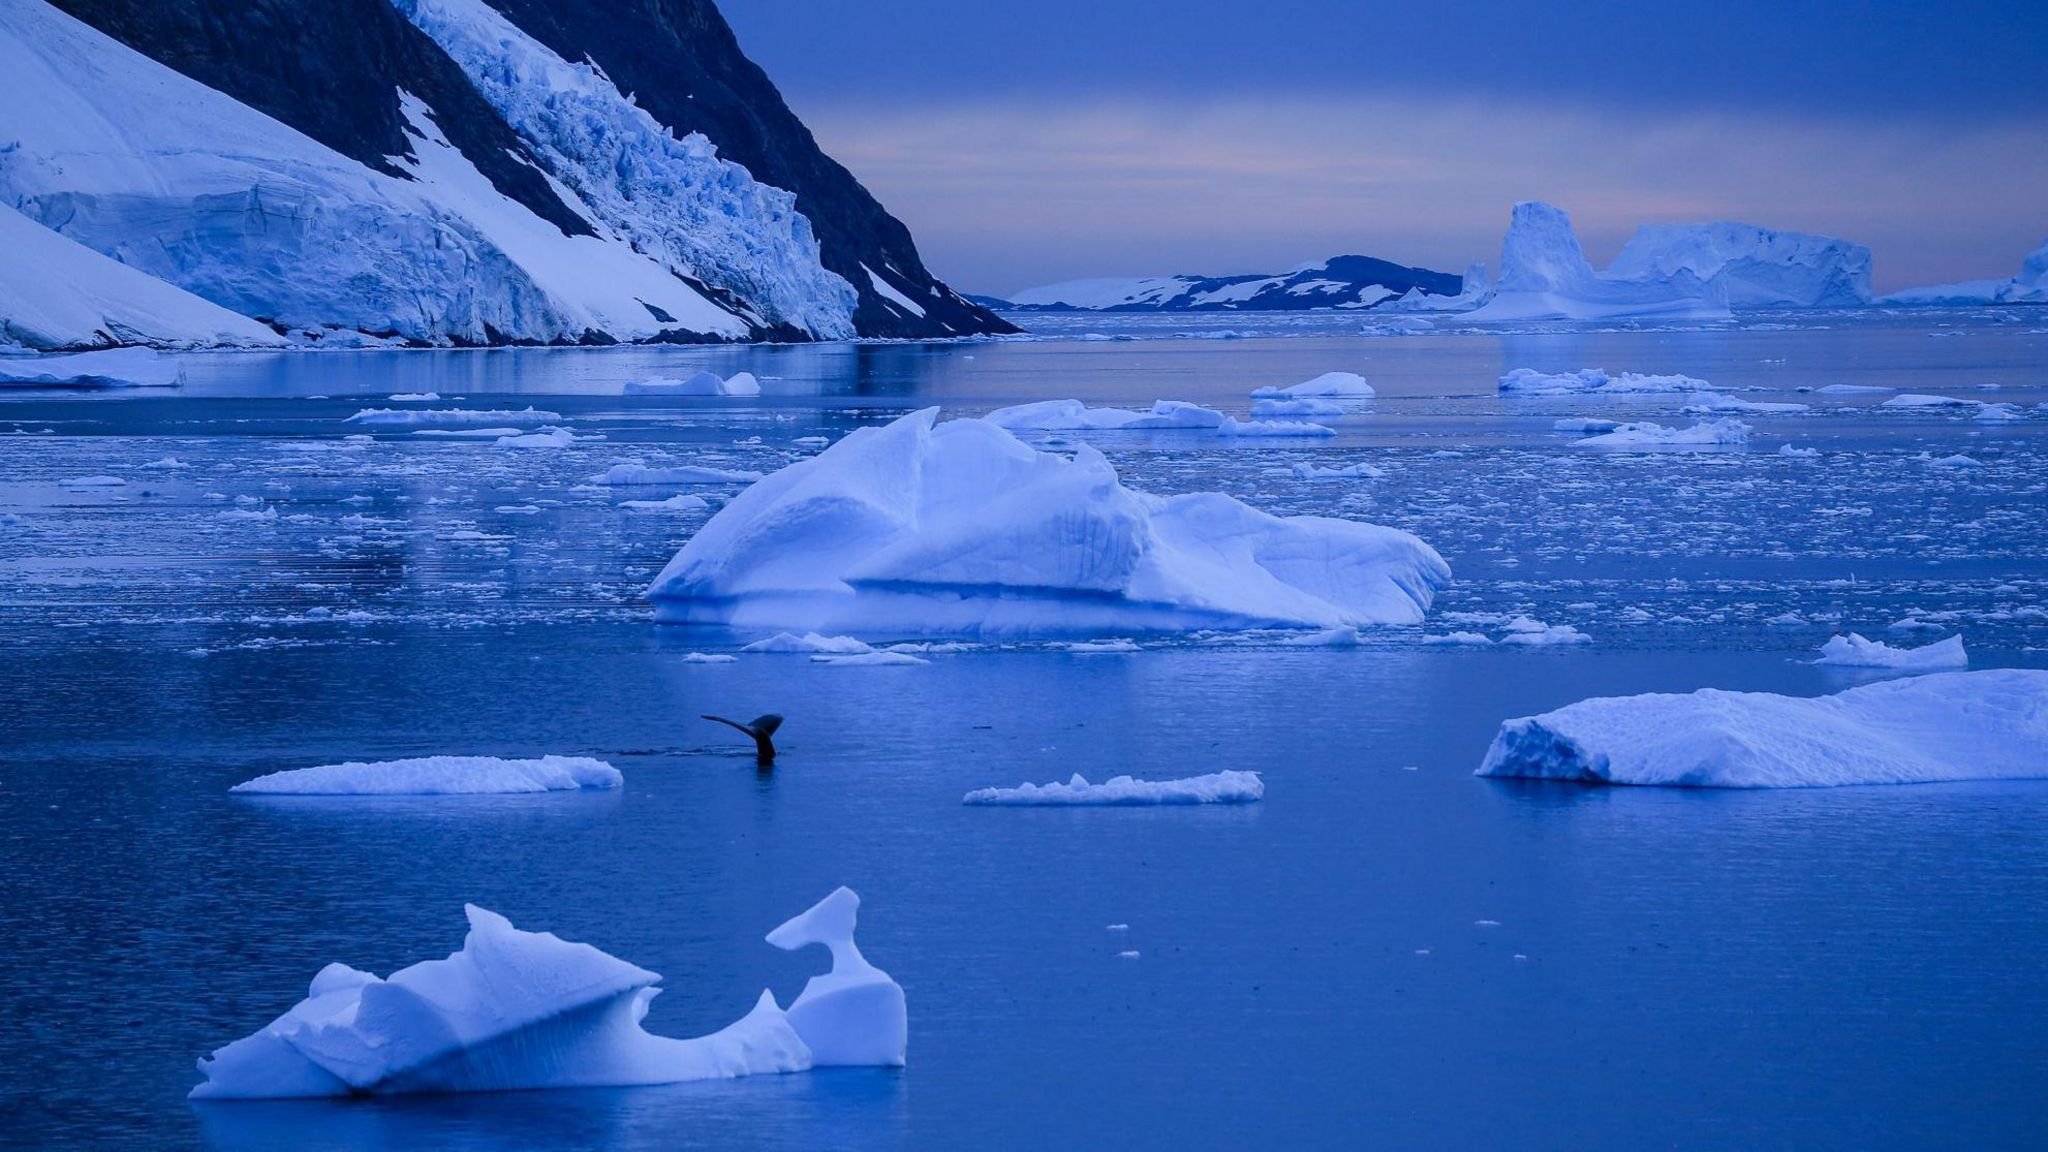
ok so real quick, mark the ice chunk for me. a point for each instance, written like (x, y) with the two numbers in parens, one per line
(522, 1010)
(544, 438)
(1279, 428)
(921, 528)
(111, 368)
(809, 642)
(1349, 385)
(629, 473)
(1594, 382)
(438, 776)
(1922, 400)
(1074, 416)
(1226, 787)
(1716, 402)
(869, 660)
(701, 384)
(1646, 437)
(1267, 409)
(404, 417)
(1853, 651)
(681, 502)
(854, 1014)
(1944, 726)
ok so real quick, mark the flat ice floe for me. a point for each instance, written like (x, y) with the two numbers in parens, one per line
(700, 384)
(1074, 416)
(107, 368)
(1647, 437)
(402, 417)
(1227, 787)
(920, 528)
(1594, 382)
(522, 1010)
(628, 473)
(438, 776)
(1988, 725)
(1853, 651)
(1349, 385)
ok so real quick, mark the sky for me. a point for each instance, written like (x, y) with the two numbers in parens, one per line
(1031, 143)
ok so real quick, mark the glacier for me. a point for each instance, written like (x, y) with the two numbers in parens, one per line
(182, 183)
(525, 1010)
(1752, 267)
(56, 293)
(1988, 725)
(706, 217)
(1227, 787)
(438, 776)
(925, 528)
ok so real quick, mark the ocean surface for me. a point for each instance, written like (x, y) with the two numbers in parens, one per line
(1386, 952)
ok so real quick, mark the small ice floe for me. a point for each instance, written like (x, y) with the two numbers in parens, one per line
(1271, 409)
(485, 433)
(1472, 639)
(869, 659)
(93, 482)
(265, 513)
(1986, 725)
(1348, 385)
(1853, 651)
(1648, 437)
(1226, 787)
(715, 658)
(1594, 382)
(809, 642)
(700, 384)
(1307, 471)
(1999, 414)
(411, 416)
(812, 441)
(631, 473)
(1117, 927)
(1586, 425)
(1958, 461)
(1791, 453)
(1852, 389)
(1718, 402)
(1233, 427)
(413, 397)
(1128, 954)
(517, 509)
(682, 502)
(520, 1010)
(1074, 416)
(105, 368)
(1921, 400)
(1398, 326)
(1536, 634)
(1098, 647)
(1346, 637)
(167, 464)
(545, 438)
(438, 776)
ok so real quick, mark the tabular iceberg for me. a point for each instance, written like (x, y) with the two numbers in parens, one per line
(521, 1010)
(920, 528)
(1752, 267)
(1990, 725)
(1544, 276)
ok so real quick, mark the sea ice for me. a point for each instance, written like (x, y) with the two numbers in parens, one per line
(629, 473)
(1718, 402)
(1074, 416)
(1226, 787)
(438, 776)
(681, 502)
(109, 368)
(1646, 437)
(1944, 726)
(1349, 385)
(922, 528)
(1593, 382)
(525, 1010)
(544, 438)
(1853, 651)
(403, 417)
(701, 384)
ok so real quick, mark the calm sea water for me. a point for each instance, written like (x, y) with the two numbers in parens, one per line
(1386, 952)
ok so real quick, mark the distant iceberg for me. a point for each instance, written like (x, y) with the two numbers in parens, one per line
(922, 528)
(1751, 267)
(523, 1010)
(438, 776)
(1345, 385)
(1226, 787)
(2029, 287)
(417, 416)
(1853, 651)
(700, 384)
(1544, 276)
(1989, 725)
(111, 368)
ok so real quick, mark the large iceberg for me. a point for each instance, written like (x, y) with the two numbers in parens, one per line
(57, 293)
(1989, 725)
(2029, 287)
(922, 528)
(1544, 276)
(1752, 267)
(522, 1010)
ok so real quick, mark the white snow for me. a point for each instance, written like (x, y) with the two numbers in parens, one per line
(1647, 437)
(111, 368)
(438, 776)
(1853, 651)
(1943, 726)
(1594, 382)
(1345, 384)
(405, 417)
(700, 384)
(923, 528)
(631, 473)
(890, 293)
(1544, 276)
(57, 293)
(1752, 267)
(1226, 787)
(1104, 292)
(527, 1010)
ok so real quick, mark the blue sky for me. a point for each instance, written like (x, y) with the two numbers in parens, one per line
(1056, 139)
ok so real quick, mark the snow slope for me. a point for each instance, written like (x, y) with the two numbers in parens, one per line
(704, 217)
(1990, 725)
(176, 180)
(57, 293)
(523, 1010)
(922, 528)
(1544, 276)
(1753, 267)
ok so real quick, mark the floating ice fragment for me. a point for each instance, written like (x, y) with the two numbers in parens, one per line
(438, 776)
(1226, 787)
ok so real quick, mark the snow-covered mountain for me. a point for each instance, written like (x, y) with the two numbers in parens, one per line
(1356, 282)
(429, 172)
(2029, 287)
